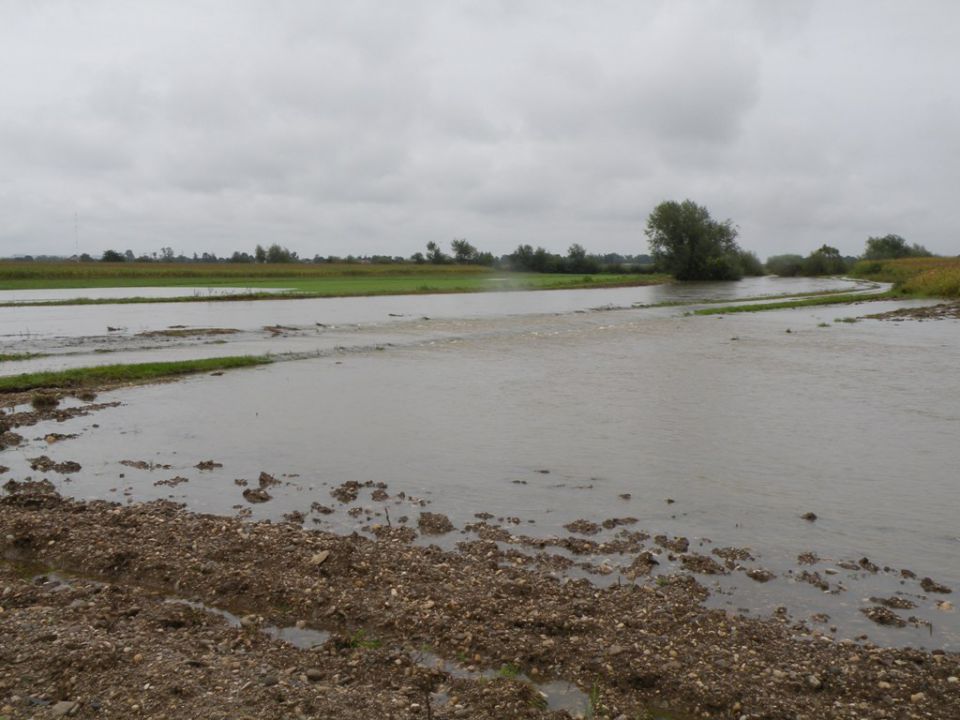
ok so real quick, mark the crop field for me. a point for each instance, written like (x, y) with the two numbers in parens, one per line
(322, 280)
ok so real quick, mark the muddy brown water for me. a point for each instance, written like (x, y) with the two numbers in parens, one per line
(552, 417)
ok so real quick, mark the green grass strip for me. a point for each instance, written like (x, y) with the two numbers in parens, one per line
(120, 374)
(354, 287)
(804, 302)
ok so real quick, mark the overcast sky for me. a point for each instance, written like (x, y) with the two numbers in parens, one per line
(375, 127)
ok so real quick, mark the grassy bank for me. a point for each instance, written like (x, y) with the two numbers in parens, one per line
(841, 299)
(302, 281)
(923, 277)
(111, 375)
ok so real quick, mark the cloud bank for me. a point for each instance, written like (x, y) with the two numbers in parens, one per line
(370, 127)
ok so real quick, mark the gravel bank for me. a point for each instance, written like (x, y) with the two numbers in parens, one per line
(108, 643)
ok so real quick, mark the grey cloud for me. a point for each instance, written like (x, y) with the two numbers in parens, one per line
(375, 127)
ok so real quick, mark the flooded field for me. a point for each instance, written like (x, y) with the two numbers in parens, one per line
(532, 411)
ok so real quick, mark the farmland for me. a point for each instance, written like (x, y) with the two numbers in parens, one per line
(301, 280)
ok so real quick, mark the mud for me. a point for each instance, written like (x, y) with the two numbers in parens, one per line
(942, 311)
(181, 332)
(631, 646)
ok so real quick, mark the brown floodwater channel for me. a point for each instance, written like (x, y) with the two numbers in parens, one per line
(726, 430)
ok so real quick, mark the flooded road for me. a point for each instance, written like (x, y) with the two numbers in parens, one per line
(723, 429)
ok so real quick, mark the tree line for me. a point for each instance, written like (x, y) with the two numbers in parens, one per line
(524, 259)
(684, 241)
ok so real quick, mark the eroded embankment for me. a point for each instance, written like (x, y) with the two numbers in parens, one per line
(631, 647)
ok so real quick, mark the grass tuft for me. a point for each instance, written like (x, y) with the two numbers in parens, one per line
(44, 401)
(509, 671)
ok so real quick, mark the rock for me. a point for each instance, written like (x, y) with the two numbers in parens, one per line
(702, 564)
(64, 708)
(266, 480)
(314, 675)
(256, 496)
(320, 557)
(882, 616)
(895, 602)
(679, 544)
(929, 585)
(917, 697)
(642, 564)
(270, 680)
(434, 523)
(953, 680)
(45, 464)
(346, 492)
(809, 517)
(883, 685)
(813, 682)
(584, 527)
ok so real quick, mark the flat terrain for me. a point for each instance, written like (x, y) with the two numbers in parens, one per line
(303, 280)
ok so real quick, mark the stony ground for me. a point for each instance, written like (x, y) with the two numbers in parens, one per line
(104, 640)
(942, 311)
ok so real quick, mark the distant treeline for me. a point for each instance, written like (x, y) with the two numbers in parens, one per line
(524, 259)
(827, 260)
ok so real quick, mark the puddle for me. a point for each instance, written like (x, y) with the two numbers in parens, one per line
(303, 638)
(558, 695)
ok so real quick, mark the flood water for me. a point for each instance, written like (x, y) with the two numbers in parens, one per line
(525, 406)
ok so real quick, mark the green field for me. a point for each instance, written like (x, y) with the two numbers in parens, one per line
(109, 375)
(336, 280)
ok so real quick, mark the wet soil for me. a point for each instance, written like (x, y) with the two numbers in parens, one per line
(182, 332)
(115, 648)
(942, 311)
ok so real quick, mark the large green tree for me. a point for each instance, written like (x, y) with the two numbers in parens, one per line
(892, 246)
(686, 242)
